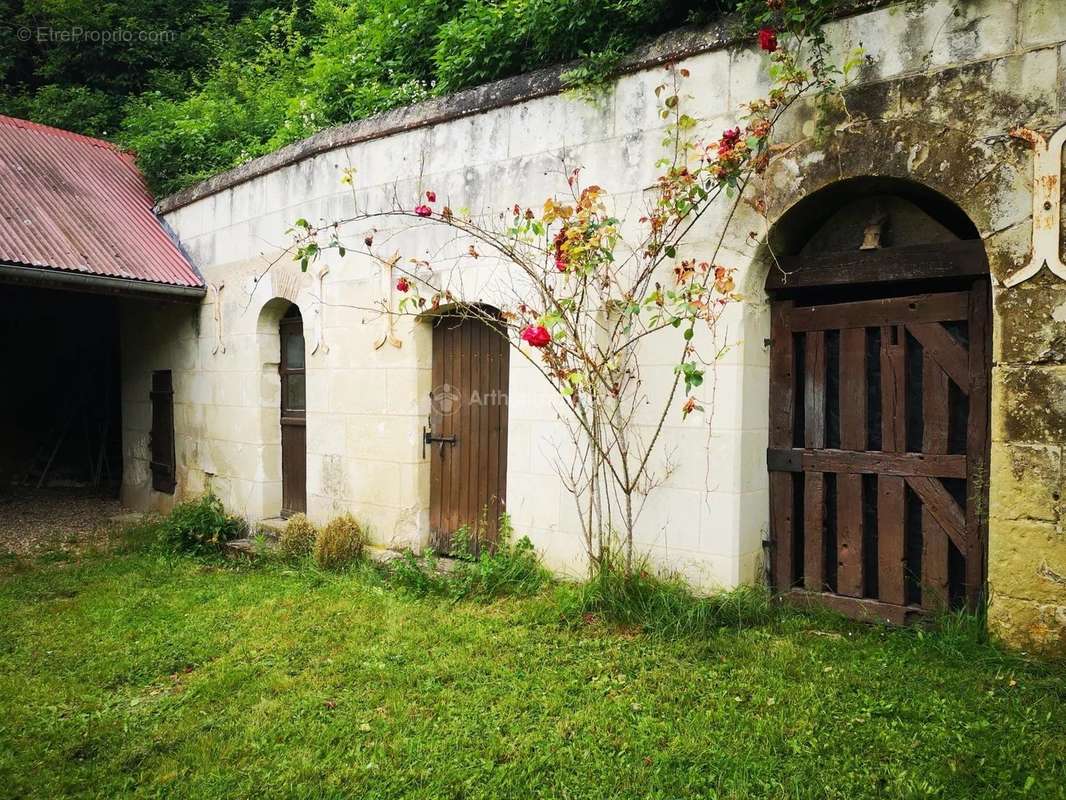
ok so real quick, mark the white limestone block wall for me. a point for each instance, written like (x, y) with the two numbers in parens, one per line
(367, 406)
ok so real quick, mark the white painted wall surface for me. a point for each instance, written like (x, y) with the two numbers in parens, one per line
(366, 406)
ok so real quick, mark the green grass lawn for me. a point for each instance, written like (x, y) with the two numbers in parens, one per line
(135, 675)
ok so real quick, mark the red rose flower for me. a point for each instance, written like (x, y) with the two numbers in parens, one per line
(560, 261)
(403, 286)
(424, 210)
(431, 196)
(728, 141)
(768, 39)
(536, 336)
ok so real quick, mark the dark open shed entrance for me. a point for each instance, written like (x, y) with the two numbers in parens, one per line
(60, 407)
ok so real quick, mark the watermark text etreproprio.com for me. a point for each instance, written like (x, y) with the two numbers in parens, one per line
(76, 34)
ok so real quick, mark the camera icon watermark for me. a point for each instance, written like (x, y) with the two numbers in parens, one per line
(447, 400)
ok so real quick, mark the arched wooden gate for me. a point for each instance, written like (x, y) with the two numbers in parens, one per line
(879, 421)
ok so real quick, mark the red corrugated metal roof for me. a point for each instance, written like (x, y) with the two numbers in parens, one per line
(74, 203)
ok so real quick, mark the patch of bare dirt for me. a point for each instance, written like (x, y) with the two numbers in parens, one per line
(36, 520)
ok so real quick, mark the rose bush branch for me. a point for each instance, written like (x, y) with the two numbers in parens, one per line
(578, 300)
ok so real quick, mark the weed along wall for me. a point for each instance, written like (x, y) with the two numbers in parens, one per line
(923, 156)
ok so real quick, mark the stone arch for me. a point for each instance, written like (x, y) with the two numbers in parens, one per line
(965, 170)
(267, 409)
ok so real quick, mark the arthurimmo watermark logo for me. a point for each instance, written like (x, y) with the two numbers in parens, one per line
(76, 34)
(447, 399)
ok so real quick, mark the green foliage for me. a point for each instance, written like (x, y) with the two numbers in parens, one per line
(137, 676)
(298, 538)
(234, 79)
(340, 543)
(198, 526)
(511, 568)
(488, 40)
(664, 606)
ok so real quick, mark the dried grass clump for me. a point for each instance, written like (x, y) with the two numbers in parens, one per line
(339, 543)
(298, 538)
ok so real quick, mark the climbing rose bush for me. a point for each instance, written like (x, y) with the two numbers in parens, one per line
(577, 301)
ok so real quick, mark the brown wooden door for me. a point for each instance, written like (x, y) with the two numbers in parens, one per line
(467, 438)
(293, 415)
(879, 450)
(163, 462)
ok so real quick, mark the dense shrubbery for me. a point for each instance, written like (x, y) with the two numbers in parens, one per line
(665, 605)
(298, 538)
(340, 543)
(240, 78)
(510, 568)
(198, 526)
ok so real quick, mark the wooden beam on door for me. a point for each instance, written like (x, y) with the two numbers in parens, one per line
(853, 436)
(891, 493)
(782, 390)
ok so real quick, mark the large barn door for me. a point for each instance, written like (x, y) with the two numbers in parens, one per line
(293, 415)
(467, 438)
(878, 452)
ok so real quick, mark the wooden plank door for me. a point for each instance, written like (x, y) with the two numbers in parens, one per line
(879, 452)
(163, 463)
(293, 415)
(467, 438)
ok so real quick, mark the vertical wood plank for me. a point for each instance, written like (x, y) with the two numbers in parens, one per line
(891, 494)
(814, 425)
(492, 431)
(814, 422)
(977, 443)
(463, 445)
(486, 530)
(472, 512)
(853, 433)
(935, 398)
(853, 436)
(503, 383)
(435, 472)
(891, 539)
(446, 453)
(782, 410)
(813, 531)
(893, 389)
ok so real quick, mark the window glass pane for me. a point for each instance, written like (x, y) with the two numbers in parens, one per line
(294, 350)
(295, 390)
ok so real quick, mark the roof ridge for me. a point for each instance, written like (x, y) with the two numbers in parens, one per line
(26, 124)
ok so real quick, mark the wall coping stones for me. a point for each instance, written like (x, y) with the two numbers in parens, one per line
(671, 46)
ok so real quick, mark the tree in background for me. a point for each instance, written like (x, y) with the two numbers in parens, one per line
(240, 78)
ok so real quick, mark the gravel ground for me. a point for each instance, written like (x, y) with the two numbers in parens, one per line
(35, 520)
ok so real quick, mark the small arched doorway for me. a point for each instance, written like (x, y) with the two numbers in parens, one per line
(879, 402)
(292, 368)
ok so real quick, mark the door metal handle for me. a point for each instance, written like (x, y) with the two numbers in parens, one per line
(429, 438)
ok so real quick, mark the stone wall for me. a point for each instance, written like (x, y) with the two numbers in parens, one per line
(944, 83)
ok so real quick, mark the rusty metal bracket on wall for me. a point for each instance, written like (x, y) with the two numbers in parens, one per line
(220, 346)
(320, 345)
(1047, 204)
